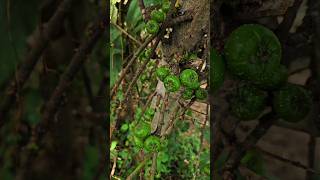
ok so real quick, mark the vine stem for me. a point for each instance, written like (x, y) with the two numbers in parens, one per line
(285, 26)
(139, 167)
(154, 166)
(287, 161)
(126, 33)
(113, 166)
(203, 126)
(130, 63)
(143, 9)
(78, 59)
(163, 30)
(140, 70)
(239, 151)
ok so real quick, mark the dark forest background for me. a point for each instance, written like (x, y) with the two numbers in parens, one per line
(53, 89)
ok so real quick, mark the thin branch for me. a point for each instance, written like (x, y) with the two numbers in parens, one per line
(290, 16)
(139, 167)
(198, 111)
(113, 167)
(311, 155)
(174, 118)
(203, 126)
(140, 70)
(126, 33)
(239, 151)
(143, 9)
(153, 166)
(130, 63)
(43, 36)
(149, 100)
(87, 84)
(287, 161)
(52, 106)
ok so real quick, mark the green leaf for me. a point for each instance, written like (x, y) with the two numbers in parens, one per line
(113, 145)
(134, 19)
(124, 154)
(113, 10)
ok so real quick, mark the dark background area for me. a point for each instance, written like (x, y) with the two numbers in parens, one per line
(53, 89)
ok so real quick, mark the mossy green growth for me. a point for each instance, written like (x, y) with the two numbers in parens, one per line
(292, 103)
(248, 102)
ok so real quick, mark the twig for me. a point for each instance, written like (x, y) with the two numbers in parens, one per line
(311, 155)
(126, 33)
(165, 103)
(113, 167)
(198, 111)
(87, 84)
(250, 173)
(239, 151)
(149, 100)
(78, 59)
(139, 167)
(154, 166)
(287, 161)
(201, 143)
(42, 40)
(130, 63)
(143, 9)
(142, 68)
(285, 26)
(173, 119)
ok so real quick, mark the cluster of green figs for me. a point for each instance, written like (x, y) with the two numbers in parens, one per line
(139, 132)
(252, 55)
(157, 17)
(188, 78)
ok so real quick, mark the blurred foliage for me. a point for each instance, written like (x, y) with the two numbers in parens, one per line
(14, 31)
(74, 132)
